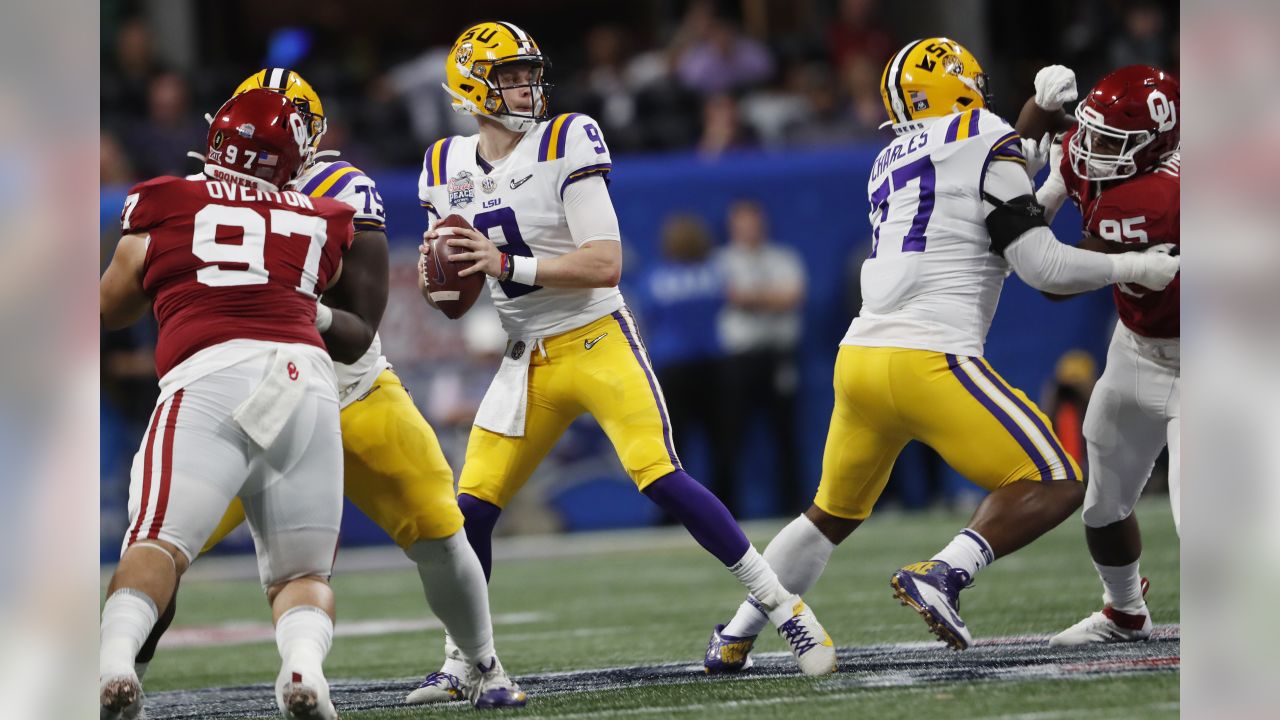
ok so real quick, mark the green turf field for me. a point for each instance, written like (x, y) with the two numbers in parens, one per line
(631, 607)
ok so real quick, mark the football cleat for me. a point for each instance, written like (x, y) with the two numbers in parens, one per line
(304, 698)
(727, 653)
(1108, 626)
(119, 694)
(489, 687)
(932, 589)
(439, 686)
(805, 636)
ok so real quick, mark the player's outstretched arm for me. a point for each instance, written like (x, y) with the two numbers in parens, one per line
(1020, 234)
(120, 296)
(358, 298)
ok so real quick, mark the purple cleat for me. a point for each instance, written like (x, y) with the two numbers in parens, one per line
(932, 589)
(727, 653)
(489, 687)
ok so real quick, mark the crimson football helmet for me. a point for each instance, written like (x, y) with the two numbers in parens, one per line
(257, 138)
(1128, 124)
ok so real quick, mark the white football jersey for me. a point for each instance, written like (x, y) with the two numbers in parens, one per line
(932, 280)
(518, 203)
(343, 181)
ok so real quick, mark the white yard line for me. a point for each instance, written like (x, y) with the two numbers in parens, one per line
(251, 632)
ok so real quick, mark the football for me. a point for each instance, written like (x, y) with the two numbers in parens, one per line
(453, 295)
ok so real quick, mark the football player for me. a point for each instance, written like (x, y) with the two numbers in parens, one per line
(1121, 168)
(395, 471)
(232, 264)
(533, 187)
(952, 211)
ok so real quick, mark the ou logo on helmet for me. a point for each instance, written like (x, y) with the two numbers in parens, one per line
(1163, 112)
(299, 128)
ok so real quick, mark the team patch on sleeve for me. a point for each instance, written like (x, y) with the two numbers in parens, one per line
(555, 136)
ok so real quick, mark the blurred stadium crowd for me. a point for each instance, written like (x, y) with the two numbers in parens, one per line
(722, 296)
(658, 74)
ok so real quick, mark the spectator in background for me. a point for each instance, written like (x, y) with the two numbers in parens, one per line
(159, 145)
(608, 94)
(724, 60)
(113, 162)
(1143, 40)
(125, 86)
(857, 34)
(723, 127)
(1065, 398)
(760, 330)
(827, 119)
(681, 296)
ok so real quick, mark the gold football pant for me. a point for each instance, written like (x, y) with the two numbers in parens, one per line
(601, 369)
(394, 470)
(987, 430)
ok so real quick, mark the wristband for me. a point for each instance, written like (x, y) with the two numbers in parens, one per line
(324, 317)
(524, 270)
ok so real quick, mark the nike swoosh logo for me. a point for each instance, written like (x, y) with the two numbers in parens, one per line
(517, 183)
(588, 344)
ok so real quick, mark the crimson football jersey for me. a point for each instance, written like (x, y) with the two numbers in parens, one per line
(1142, 209)
(227, 262)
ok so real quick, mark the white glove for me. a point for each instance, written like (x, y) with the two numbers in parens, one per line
(1152, 268)
(1055, 86)
(1038, 154)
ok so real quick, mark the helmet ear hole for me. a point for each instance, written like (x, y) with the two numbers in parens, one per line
(468, 87)
(964, 101)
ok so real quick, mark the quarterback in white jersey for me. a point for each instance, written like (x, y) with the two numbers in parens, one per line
(953, 212)
(534, 189)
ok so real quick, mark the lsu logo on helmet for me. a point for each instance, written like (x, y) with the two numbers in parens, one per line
(305, 99)
(934, 77)
(471, 73)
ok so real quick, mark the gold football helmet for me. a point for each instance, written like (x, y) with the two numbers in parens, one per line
(471, 73)
(933, 77)
(304, 98)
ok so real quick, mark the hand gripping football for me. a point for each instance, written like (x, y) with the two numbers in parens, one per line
(452, 294)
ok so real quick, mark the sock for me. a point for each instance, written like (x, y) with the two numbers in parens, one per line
(968, 551)
(454, 584)
(1122, 587)
(454, 662)
(304, 635)
(127, 619)
(752, 571)
(148, 650)
(798, 554)
(480, 517)
(702, 514)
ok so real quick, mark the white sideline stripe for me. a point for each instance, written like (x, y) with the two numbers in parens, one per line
(242, 633)
(827, 698)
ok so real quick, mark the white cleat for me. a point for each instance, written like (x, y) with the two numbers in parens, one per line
(304, 697)
(1107, 626)
(805, 636)
(120, 694)
(488, 687)
(444, 684)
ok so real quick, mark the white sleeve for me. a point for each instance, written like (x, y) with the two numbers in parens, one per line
(1046, 264)
(1004, 181)
(589, 211)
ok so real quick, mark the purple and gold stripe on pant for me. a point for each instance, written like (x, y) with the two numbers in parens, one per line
(554, 137)
(435, 162)
(1022, 423)
(627, 324)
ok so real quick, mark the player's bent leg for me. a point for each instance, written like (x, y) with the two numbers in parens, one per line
(615, 382)
(994, 435)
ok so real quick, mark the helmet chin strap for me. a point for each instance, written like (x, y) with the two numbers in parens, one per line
(514, 123)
